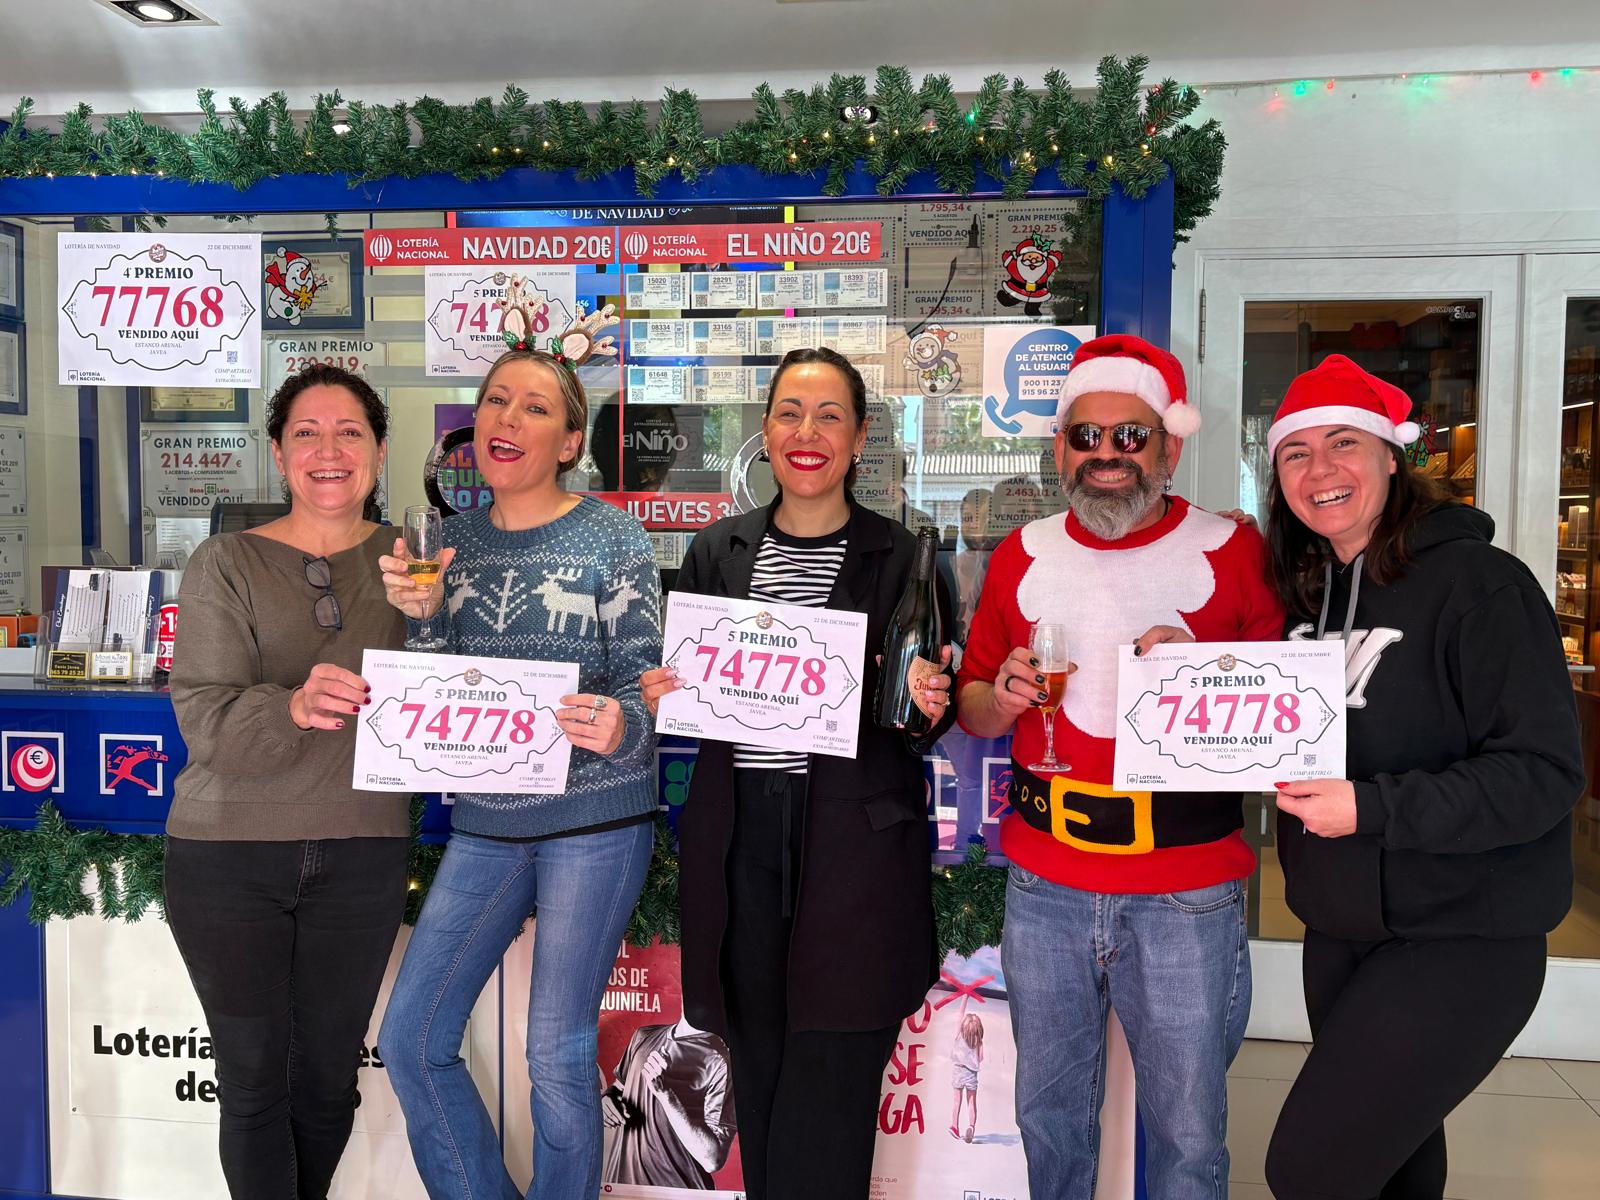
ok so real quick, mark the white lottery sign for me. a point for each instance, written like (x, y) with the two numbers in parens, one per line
(780, 676)
(1229, 716)
(457, 723)
(469, 308)
(185, 469)
(159, 309)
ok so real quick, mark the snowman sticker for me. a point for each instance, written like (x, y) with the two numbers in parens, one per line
(291, 286)
(929, 355)
(1028, 269)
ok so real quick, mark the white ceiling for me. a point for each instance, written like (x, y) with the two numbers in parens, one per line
(64, 51)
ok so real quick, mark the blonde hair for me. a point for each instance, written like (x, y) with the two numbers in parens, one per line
(972, 1030)
(572, 393)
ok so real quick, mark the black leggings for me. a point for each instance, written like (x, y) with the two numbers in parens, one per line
(807, 1102)
(1403, 1032)
(286, 943)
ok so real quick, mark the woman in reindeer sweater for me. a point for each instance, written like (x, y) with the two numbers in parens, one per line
(540, 574)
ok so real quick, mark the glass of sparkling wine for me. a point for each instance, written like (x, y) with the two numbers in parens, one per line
(424, 534)
(1048, 641)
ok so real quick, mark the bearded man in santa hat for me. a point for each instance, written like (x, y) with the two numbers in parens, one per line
(1132, 900)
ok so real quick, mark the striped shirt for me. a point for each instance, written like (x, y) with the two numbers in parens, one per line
(791, 570)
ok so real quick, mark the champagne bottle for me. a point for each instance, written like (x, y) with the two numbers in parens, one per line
(913, 645)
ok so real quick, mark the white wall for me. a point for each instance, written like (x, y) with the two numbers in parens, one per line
(1447, 165)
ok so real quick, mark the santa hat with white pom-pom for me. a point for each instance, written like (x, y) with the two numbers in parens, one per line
(1338, 392)
(1120, 362)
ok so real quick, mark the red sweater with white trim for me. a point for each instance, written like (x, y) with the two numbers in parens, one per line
(1192, 569)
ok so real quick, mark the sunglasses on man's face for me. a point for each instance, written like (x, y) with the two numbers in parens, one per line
(1127, 438)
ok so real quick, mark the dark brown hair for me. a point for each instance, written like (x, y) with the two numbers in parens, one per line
(572, 393)
(327, 375)
(852, 378)
(1299, 557)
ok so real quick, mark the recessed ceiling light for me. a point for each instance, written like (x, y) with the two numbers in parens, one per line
(158, 14)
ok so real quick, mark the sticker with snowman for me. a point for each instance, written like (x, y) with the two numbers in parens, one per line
(291, 284)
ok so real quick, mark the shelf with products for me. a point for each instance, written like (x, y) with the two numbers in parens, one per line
(1576, 505)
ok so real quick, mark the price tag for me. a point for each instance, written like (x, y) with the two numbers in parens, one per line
(1229, 717)
(781, 676)
(779, 335)
(787, 289)
(441, 722)
(159, 310)
(653, 339)
(724, 289)
(864, 287)
(728, 337)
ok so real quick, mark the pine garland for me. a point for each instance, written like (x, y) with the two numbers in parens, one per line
(53, 862)
(1127, 134)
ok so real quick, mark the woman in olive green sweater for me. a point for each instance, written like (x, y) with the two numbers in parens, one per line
(284, 885)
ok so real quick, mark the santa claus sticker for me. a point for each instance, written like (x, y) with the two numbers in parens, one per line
(1023, 366)
(158, 310)
(1028, 266)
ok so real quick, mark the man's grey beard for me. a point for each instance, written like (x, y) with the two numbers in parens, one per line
(1111, 514)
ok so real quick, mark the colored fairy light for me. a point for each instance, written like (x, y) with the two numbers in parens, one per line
(1300, 88)
(1535, 76)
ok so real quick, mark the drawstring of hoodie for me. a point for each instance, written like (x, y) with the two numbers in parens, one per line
(1327, 598)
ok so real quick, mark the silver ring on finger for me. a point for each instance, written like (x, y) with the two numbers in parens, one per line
(600, 702)
(593, 713)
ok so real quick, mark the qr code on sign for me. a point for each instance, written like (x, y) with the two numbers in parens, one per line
(830, 726)
(1311, 760)
(233, 357)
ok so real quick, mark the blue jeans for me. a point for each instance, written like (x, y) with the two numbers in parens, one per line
(584, 888)
(1176, 968)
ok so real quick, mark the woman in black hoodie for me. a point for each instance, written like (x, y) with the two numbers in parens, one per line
(1428, 878)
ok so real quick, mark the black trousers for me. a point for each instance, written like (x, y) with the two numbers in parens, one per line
(1403, 1031)
(807, 1102)
(286, 943)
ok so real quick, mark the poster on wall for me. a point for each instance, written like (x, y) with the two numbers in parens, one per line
(184, 471)
(470, 309)
(1023, 366)
(284, 356)
(13, 471)
(132, 1065)
(313, 283)
(13, 570)
(947, 1119)
(159, 309)
(460, 481)
(654, 1060)
(13, 370)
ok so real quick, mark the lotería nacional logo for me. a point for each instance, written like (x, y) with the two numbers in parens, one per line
(473, 677)
(1227, 662)
(763, 620)
(31, 762)
(132, 762)
(379, 248)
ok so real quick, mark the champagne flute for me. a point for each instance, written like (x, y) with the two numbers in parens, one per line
(424, 535)
(1048, 642)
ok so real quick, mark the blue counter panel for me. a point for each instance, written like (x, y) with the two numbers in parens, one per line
(104, 757)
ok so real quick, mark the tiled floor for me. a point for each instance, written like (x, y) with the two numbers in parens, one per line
(1531, 1132)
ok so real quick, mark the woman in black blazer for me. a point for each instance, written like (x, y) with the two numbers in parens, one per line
(805, 880)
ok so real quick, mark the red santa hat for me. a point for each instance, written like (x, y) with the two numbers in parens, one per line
(1338, 392)
(1120, 362)
(290, 256)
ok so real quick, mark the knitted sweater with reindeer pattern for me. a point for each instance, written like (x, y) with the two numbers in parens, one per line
(581, 589)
